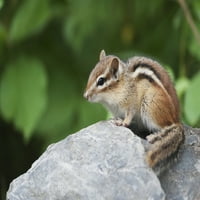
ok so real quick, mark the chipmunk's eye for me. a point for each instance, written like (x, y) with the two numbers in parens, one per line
(101, 81)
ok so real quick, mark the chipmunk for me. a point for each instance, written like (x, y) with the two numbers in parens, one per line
(139, 90)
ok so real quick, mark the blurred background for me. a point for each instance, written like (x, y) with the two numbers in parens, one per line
(49, 47)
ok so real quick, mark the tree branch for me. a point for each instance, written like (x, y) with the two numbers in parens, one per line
(189, 19)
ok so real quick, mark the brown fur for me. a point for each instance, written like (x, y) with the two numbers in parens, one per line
(163, 115)
(164, 78)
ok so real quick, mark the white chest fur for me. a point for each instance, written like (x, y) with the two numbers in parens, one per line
(116, 111)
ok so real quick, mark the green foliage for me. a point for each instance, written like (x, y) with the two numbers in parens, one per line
(194, 47)
(182, 84)
(30, 18)
(83, 21)
(60, 41)
(61, 108)
(88, 109)
(192, 99)
(1, 3)
(23, 93)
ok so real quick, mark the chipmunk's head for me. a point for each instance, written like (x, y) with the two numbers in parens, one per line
(104, 78)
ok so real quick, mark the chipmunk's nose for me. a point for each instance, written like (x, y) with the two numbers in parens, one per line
(86, 95)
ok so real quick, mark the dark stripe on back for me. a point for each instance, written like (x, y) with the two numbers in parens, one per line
(145, 65)
(145, 76)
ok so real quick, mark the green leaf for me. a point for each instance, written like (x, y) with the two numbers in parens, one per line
(59, 115)
(181, 85)
(192, 99)
(3, 34)
(23, 93)
(8, 93)
(30, 18)
(88, 17)
(194, 45)
(90, 113)
(1, 3)
(170, 72)
(196, 6)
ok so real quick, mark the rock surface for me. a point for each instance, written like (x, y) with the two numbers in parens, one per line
(105, 162)
(101, 162)
(182, 180)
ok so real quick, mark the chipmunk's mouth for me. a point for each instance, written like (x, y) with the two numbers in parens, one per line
(88, 97)
(91, 98)
(85, 95)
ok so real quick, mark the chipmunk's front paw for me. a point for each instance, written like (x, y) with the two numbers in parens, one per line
(119, 122)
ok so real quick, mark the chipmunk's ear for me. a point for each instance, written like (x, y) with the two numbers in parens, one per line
(102, 55)
(115, 67)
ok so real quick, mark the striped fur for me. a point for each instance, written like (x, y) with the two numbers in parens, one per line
(164, 144)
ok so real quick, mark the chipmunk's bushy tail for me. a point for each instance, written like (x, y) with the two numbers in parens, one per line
(164, 144)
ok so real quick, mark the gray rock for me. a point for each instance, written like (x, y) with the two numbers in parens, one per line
(182, 180)
(101, 162)
(105, 162)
